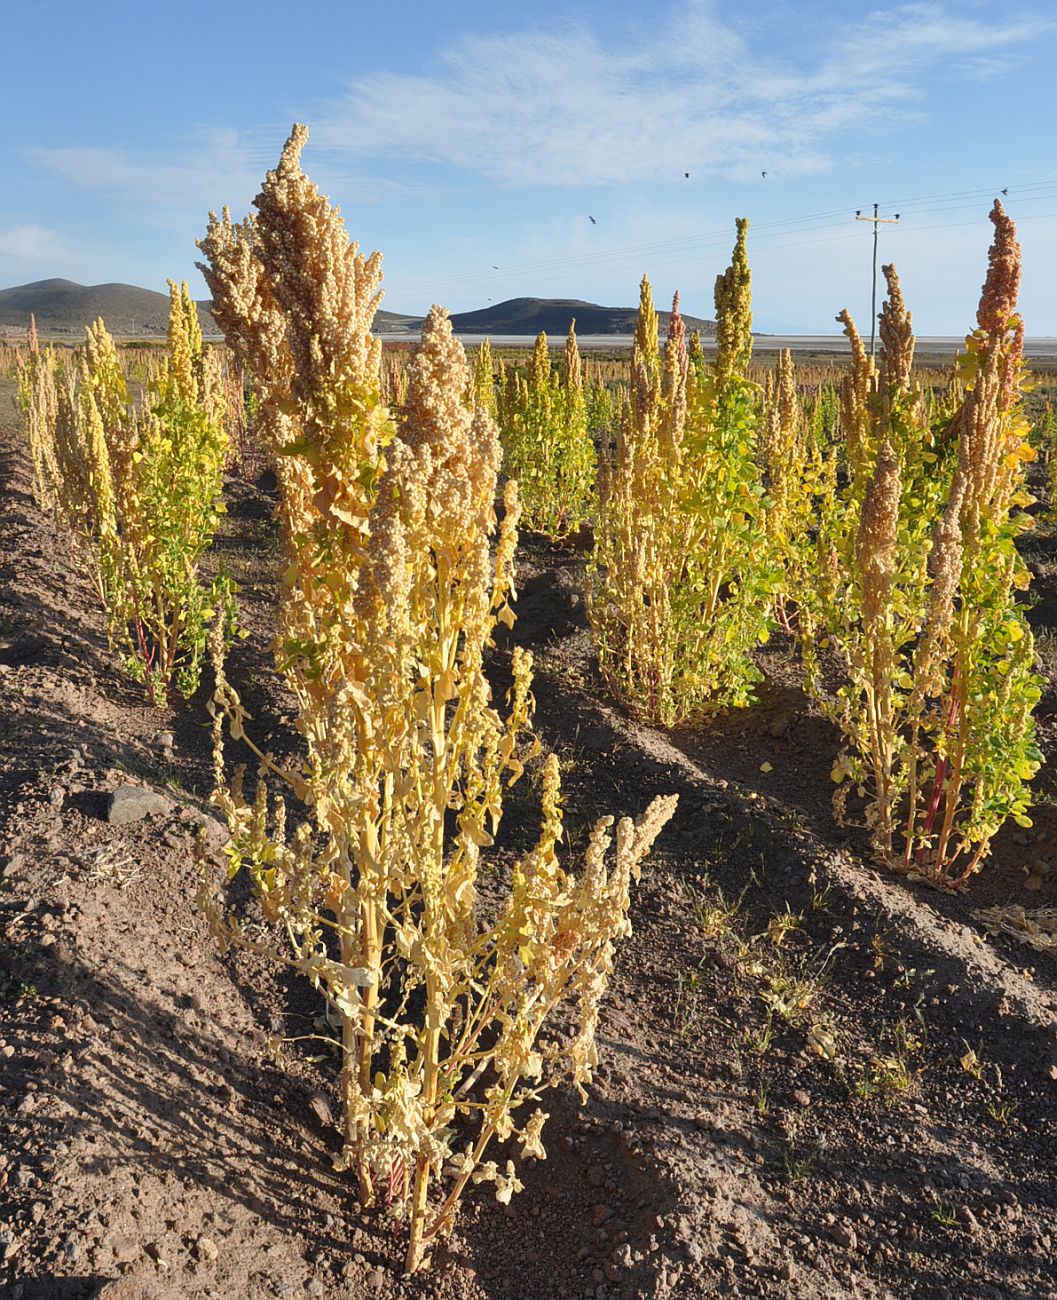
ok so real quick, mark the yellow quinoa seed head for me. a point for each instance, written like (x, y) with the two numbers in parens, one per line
(733, 298)
(897, 336)
(574, 379)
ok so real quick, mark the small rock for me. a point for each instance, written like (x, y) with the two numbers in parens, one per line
(321, 1108)
(125, 1250)
(314, 1286)
(215, 832)
(968, 1219)
(375, 1279)
(843, 1236)
(206, 1249)
(801, 1097)
(131, 803)
(156, 1253)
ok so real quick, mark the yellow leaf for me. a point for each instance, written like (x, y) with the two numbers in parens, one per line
(475, 831)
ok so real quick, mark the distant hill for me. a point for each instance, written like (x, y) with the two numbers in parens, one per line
(552, 315)
(64, 307)
(530, 315)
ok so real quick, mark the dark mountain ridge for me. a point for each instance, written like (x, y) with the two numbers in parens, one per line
(63, 307)
(552, 315)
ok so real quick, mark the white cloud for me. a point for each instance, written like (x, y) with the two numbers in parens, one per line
(572, 108)
(31, 244)
(214, 169)
(983, 67)
(218, 168)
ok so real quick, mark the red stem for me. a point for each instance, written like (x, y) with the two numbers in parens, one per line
(937, 791)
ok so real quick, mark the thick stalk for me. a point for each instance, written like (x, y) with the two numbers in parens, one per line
(879, 720)
(358, 1039)
(958, 705)
(912, 797)
(431, 892)
(952, 795)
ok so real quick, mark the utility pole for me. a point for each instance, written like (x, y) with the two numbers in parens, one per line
(877, 221)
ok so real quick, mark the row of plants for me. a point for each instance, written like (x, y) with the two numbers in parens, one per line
(879, 530)
(876, 524)
(137, 484)
(394, 573)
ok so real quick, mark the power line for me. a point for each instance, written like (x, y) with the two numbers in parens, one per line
(877, 223)
(613, 258)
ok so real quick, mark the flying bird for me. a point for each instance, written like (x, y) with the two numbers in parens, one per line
(592, 220)
(1006, 190)
(495, 268)
(764, 174)
(687, 175)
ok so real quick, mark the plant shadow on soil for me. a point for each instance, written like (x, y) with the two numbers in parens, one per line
(164, 1100)
(695, 1169)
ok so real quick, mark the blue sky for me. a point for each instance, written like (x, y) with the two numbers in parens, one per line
(463, 137)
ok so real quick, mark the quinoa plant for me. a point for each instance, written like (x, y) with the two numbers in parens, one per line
(396, 573)
(141, 490)
(547, 444)
(37, 399)
(680, 583)
(795, 456)
(484, 380)
(917, 588)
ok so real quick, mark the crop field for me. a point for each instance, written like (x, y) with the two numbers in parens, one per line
(482, 824)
